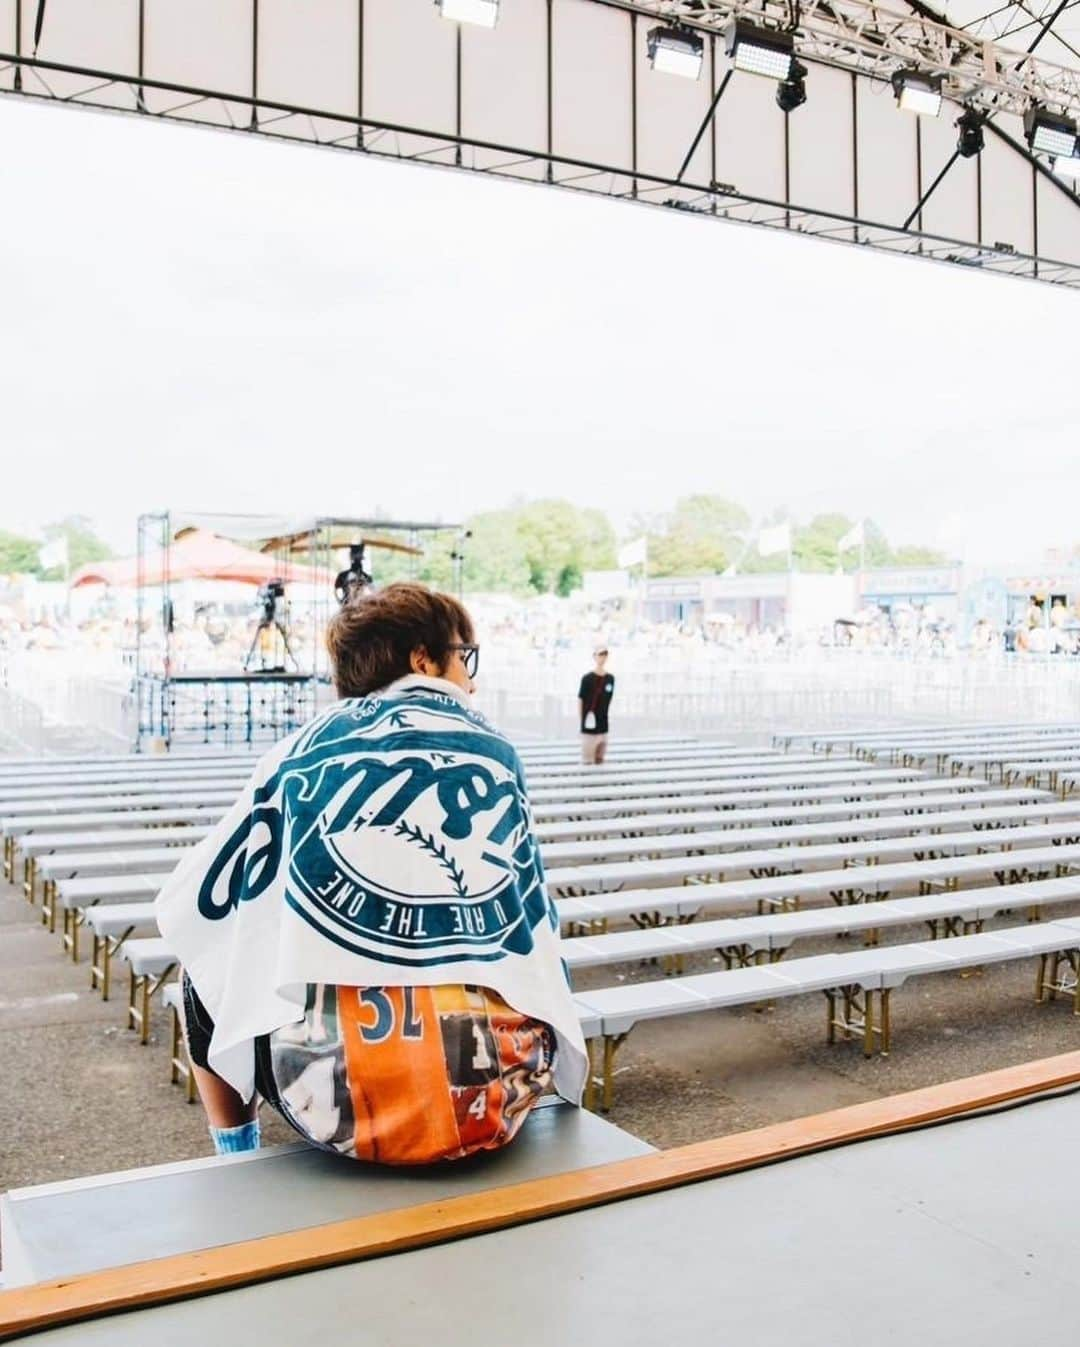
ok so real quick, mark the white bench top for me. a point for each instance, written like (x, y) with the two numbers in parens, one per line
(647, 762)
(200, 799)
(672, 784)
(778, 931)
(149, 956)
(11, 795)
(643, 874)
(835, 820)
(620, 1008)
(739, 894)
(107, 839)
(114, 918)
(141, 860)
(122, 780)
(130, 820)
(803, 844)
(113, 888)
(897, 795)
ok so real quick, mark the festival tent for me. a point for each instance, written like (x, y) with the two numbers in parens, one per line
(198, 555)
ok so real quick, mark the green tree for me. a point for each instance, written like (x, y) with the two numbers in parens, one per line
(18, 555)
(83, 544)
(702, 535)
(912, 554)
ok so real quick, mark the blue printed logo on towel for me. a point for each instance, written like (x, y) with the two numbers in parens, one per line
(390, 846)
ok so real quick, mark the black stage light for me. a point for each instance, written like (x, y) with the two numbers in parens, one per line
(970, 141)
(791, 93)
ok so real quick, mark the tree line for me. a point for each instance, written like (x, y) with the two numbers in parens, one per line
(546, 546)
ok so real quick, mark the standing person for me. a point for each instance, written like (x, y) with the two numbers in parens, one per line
(366, 937)
(594, 698)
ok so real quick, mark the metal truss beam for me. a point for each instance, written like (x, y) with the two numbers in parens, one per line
(874, 40)
(713, 201)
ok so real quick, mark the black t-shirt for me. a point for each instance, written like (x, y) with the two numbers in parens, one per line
(596, 699)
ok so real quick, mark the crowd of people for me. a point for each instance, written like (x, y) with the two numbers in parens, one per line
(222, 638)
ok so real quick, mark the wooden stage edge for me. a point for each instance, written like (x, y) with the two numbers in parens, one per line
(155, 1282)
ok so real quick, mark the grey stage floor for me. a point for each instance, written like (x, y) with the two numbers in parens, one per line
(961, 1234)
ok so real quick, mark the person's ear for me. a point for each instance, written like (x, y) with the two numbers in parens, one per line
(419, 662)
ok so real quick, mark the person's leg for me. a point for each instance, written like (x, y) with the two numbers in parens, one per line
(588, 748)
(233, 1123)
(601, 748)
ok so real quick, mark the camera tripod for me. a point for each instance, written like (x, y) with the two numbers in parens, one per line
(270, 624)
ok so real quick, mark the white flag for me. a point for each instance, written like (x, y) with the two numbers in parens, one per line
(53, 554)
(771, 541)
(633, 554)
(854, 537)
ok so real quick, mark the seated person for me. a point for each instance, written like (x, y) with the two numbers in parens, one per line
(367, 939)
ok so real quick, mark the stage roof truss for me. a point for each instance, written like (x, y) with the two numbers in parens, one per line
(561, 93)
(875, 40)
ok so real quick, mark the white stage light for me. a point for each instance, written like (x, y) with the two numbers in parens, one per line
(1050, 133)
(760, 51)
(676, 51)
(1067, 167)
(916, 92)
(482, 12)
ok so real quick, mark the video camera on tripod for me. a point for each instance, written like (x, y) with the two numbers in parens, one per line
(267, 598)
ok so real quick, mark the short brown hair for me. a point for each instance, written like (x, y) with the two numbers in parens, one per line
(373, 636)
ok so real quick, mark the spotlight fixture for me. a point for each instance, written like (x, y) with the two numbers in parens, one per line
(917, 92)
(791, 93)
(760, 51)
(1067, 167)
(676, 51)
(1050, 132)
(970, 141)
(482, 12)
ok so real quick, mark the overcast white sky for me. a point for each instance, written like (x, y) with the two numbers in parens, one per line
(193, 319)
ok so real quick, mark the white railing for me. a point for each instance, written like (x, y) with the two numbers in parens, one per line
(64, 701)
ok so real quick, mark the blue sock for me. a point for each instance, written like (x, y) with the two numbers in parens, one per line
(229, 1140)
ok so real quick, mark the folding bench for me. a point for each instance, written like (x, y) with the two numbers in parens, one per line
(150, 961)
(857, 986)
(110, 925)
(105, 841)
(73, 896)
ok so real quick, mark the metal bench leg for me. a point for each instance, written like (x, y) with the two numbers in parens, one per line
(589, 1099)
(48, 904)
(180, 1066)
(9, 858)
(886, 1022)
(29, 877)
(612, 1043)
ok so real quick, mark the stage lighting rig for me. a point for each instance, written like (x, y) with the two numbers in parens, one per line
(970, 141)
(676, 51)
(484, 13)
(791, 93)
(760, 51)
(1050, 132)
(917, 92)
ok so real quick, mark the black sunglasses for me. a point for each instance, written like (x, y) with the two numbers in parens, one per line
(470, 657)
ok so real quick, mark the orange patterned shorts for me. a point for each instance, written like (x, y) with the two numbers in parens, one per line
(408, 1075)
